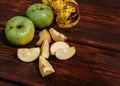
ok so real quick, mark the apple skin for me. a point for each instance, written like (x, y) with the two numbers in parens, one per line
(40, 14)
(19, 30)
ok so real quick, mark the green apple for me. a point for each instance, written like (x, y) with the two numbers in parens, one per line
(19, 30)
(40, 14)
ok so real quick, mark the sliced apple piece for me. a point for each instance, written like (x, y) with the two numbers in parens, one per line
(57, 36)
(66, 53)
(44, 34)
(45, 67)
(28, 54)
(58, 45)
(45, 49)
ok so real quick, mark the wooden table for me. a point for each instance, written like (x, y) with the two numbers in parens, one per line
(96, 38)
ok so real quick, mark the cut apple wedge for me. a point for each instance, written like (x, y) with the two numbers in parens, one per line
(57, 36)
(45, 67)
(28, 54)
(66, 53)
(58, 45)
(45, 49)
(44, 34)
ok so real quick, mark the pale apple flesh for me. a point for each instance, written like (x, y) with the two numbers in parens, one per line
(57, 36)
(45, 67)
(44, 34)
(58, 45)
(66, 53)
(45, 49)
(28, 54)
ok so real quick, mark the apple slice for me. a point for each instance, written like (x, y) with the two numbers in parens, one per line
(66, 53)
(44, 34)
(28, 54)
(45, 67)
(57, 36)
(45, 49)
(58, 45)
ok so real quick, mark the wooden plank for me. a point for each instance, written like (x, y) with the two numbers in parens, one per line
(98, 27)
(13, 8)
(96, 38)
(103, 3)
(4, 82)
(89, 67)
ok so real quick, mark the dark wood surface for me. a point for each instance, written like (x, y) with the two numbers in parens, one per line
(96, 38)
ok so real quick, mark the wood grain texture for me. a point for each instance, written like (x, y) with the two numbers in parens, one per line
(96, 38)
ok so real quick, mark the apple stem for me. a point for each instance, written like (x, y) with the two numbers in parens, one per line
(41, 8)
(11, 27)
(19, 26)
(16, 26)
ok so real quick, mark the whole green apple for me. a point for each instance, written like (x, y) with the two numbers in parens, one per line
(40, 14)
(19, 30)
